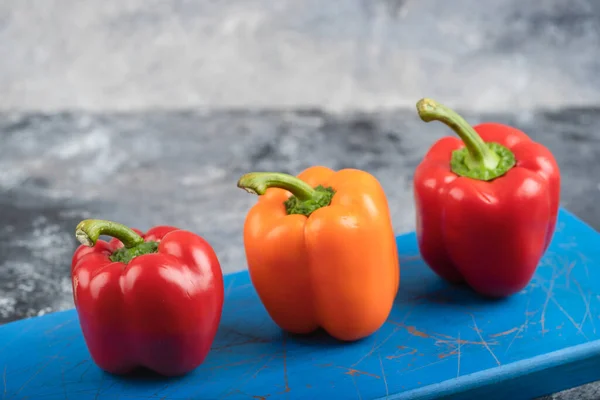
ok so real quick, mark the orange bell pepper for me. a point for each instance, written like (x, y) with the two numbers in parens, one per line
(321, 250)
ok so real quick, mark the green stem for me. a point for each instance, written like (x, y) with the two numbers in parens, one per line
(259, 182)
(88, 231)
(479, 153)
(478, 159)
(304, 200)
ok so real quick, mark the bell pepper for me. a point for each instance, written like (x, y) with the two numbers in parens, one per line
(152, 300)
(321, 250)
(486, 203)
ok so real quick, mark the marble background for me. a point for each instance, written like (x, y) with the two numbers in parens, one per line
(147, 112)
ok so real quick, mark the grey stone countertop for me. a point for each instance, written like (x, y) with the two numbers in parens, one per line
(180, 168)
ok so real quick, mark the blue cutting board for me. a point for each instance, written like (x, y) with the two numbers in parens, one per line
(439, 341)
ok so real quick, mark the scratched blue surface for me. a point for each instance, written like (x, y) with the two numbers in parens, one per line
(438, 340)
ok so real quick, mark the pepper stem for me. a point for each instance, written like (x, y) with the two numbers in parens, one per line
(259, 182)
(304, 200)
(88, 231)
(478, 160)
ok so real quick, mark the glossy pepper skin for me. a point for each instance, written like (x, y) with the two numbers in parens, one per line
(152, 300)
(321, 251)
(486, 203)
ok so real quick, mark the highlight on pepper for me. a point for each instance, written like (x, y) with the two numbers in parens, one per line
(487, 203)
(140, 297)
(321, 250)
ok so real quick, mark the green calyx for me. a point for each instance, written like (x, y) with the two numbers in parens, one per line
(125, 255)
(462, 165)
(89, 230)
(321, 198)
(304, 200)
(478, 159)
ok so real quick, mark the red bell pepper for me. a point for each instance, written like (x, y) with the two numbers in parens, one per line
(152, 300)
(486, 205)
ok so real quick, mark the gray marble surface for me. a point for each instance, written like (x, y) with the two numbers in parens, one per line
(360, 54)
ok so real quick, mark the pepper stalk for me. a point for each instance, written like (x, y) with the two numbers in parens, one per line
(304, 200)
(88, 231)
(478, 159)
